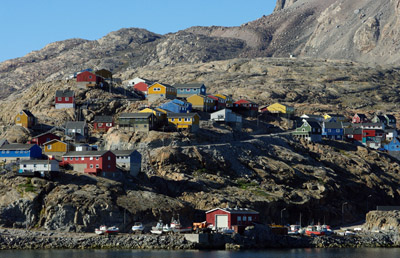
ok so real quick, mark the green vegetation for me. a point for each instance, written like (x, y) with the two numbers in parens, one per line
(27, 187)
(200, 171)
(244, 184)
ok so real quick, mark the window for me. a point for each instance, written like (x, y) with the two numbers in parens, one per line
(76, 158)
(49, 147)
(97, 166)
(2, 152)
(16, 152)
(97, 158)
(329, 130)
(21, 113)
(59, 98)
(109, 124)
(91, 165)
(66, 99)
(91, 158)
(338, 130)
(109, 166)
(239, 218)
(100, 124)
(172, 119)
(244, 218)
(90, 77)
(18, 118)
(71, 158)
(250, 218)
(180, 119)
(109, 158)
(79, 130)
(188, 90)
(82, 158)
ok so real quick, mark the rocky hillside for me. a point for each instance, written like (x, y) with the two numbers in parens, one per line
(365, 31)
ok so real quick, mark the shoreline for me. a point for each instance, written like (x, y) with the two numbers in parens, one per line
(19, 239)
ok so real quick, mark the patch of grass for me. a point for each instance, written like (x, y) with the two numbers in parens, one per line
(200, 172)
(244, 184)
(27, 187)
(262, 193)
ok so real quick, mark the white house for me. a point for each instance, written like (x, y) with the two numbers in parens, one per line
(136, 80)
(129, 159)
(226, 115)
(36, 167)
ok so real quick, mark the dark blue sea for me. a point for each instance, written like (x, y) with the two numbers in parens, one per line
(343, 253)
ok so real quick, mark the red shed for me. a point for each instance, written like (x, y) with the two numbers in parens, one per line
(220, 103)
(65, 99)
(103, 123)
(89, 79)
(229, 217)
(142, 87)
(245, 107)
(91, 162)
(43, 138)
(359, 118)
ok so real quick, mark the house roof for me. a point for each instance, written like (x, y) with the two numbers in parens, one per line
(141, 86)
(313, 124)
(65, 93)
(103, 119)
(243, 101)
(75, 124)
(235, 210)
(177, 115)
(39, 135)
(361, 116)
(122, 152)
(17, 146)
(188, 85)
(162, 84)
(54, 140)
(135, 115)
(28, 113)
(331, 125)
(85, 153)
(391, 117)
(3, 141)
(38, 161)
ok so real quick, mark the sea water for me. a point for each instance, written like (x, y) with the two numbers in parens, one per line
(295, 253)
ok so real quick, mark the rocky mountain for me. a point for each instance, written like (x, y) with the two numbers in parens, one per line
(365, 31)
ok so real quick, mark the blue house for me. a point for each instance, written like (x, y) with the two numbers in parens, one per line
(174, 106)
(17, 152)
(332, 130)
(187, 90)
(393, 145)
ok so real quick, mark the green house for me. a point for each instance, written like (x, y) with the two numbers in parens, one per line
(137, 122)
(309, 130)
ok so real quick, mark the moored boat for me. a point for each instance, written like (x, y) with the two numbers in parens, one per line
(177, 227)
(315, 231)
(158, 229)
(112, 230)
(104, 230)
(138, 227)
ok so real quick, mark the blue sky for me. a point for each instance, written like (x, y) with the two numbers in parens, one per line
(28, 25)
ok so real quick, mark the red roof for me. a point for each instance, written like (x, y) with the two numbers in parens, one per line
(213, 97)
(141, 86)
(243, 101)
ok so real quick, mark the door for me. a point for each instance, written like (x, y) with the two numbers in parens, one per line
(221, 221)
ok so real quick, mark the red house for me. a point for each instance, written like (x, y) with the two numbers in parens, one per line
(222, 218)
(142, 87)
(103, 123)
(88, 79)
(43, 138)
(245, 107)
(65, 99)
(359, 118)
(91, 162)
(220, 103)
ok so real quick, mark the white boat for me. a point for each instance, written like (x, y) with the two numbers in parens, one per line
(166, 229)
(137, 227)
(112, 230)
(101, 230)
(294, 230)
(158, 229)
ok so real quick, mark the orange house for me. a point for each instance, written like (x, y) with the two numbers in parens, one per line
(25, 119)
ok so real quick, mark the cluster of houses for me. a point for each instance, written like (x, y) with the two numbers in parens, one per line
(378, 132)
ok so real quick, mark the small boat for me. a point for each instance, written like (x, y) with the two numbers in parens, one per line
(104, 230)
(315, 231)
(166, 229)
(158, 229)
(294, 230)
(176, 226)
(137, 227)
(226, 230)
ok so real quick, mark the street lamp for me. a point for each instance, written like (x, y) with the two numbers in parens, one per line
(369, 196)
(282, 215)
(343, 204)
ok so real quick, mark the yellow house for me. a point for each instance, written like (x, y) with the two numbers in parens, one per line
(201, 102)
(25, 119)
(281, 108)
(189, 121)
(55, 146)
(335, 118)
(160, 114)
(158, 90)
(228, 99)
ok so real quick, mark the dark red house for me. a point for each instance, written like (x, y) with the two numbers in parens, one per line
(245, 107)
(65, 99)
(101, 163)
(220, 103)
(103, 123)
(359, 118)
(43, 138)
(222, 218)
(89, 79)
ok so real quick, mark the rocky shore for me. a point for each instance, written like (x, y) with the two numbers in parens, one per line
(30, 239)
